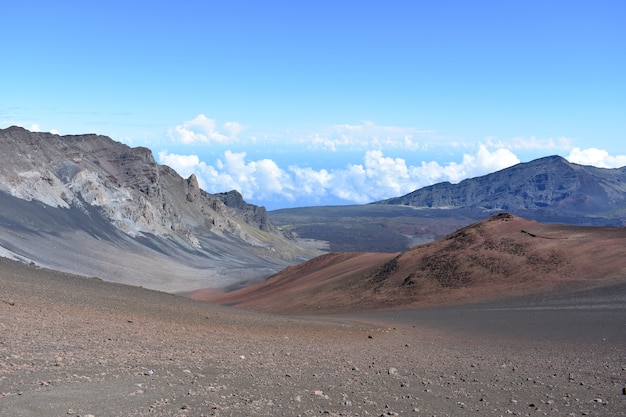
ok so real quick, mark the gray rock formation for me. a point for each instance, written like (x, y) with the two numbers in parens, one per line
(126, 184)
(91, 176)
(543, 188)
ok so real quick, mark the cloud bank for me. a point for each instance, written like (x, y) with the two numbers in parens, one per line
(204, 130)
(377, 177)
(596, 157)
(366, 136)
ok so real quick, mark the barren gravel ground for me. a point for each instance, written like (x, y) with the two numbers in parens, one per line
(72, 346)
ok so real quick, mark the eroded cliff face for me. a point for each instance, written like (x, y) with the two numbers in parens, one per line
(546, 187)
(126, 185)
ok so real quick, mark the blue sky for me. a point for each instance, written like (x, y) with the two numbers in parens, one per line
(320, 102)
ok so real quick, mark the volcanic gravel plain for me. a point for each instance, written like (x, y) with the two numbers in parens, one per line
(75, 346)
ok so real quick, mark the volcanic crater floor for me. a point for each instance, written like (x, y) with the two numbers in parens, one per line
(74, 346)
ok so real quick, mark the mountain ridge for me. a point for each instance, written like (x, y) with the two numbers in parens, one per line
(549, 190)
(88, 187)
(95, 170)
(550, 184)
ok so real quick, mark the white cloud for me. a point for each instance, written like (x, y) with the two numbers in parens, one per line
(233, 129)
(256, 180)
(323, 143)
(204, 130)
(382, 177)
(346, 137)
(264, 181)
(530, 143)
(485, 161)
(311, 183)
(185, 165)
(363, 137)
(596, 157)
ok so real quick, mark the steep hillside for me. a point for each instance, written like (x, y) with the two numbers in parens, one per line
(543, 189)
(500, 257)
(93, 206)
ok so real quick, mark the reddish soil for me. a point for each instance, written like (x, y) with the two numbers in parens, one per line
(74, 346)
(504, 256)
(310, 286)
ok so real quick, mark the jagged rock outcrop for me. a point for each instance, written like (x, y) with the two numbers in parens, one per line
(193, 188)
(126, 184)
(92, 176)
(251, 213)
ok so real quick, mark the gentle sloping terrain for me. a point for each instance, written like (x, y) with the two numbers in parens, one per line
(503, 256)
(373, 227)
(74, 346)
(312, 285)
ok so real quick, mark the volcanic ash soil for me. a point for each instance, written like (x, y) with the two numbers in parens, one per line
(72, 346)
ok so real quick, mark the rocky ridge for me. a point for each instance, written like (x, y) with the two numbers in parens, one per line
(549, 188)
(87, 204)
(126, 185)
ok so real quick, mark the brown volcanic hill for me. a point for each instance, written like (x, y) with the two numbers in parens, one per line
(502, 256)
(309, 286)
(549, 190)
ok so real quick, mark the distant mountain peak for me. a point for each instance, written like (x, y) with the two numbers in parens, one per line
(549, 186)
